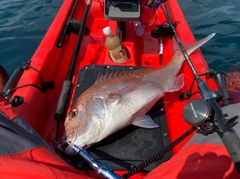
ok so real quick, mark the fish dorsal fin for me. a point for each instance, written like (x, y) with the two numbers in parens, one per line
(118, 73)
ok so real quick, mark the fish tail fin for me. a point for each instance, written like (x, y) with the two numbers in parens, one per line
(178, 57)
(190, 48)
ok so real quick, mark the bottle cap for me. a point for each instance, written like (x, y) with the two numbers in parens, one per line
(107, 31)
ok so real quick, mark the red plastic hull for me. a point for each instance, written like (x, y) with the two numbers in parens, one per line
(53, 62)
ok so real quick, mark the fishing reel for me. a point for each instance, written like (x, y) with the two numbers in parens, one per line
(205, 113)
(207, 116)
(199, 113)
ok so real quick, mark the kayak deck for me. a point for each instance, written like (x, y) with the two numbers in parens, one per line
(54, 62)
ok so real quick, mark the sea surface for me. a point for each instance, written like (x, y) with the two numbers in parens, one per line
(221, 17)
(24, 23)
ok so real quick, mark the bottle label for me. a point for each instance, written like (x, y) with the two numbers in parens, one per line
(118, 54)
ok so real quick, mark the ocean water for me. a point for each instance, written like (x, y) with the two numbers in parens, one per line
(221, 17)
(24, 23)
(22, 26)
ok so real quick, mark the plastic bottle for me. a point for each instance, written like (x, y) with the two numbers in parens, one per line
(114, 46)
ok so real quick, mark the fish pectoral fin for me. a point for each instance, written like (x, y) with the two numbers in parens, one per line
(145, 122)
(179, 83)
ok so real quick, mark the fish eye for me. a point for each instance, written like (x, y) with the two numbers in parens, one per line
(73, 113)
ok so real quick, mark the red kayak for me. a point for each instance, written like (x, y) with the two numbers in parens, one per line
(72, 54)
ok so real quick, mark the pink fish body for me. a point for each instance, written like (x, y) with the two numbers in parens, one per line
(120, 99)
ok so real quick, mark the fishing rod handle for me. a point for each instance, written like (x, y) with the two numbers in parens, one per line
(11, 83)
(226, 132)
(60, 114)
(99, 167)
(222, 87)
(232, 143)
(70, 16)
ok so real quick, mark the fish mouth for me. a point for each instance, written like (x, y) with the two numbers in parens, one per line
(69, 150)
(65, 142)
(68, 138)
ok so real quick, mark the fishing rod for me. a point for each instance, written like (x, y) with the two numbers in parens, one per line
(99, 167)
(205, 113)
(62, 38)
(64, 96)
